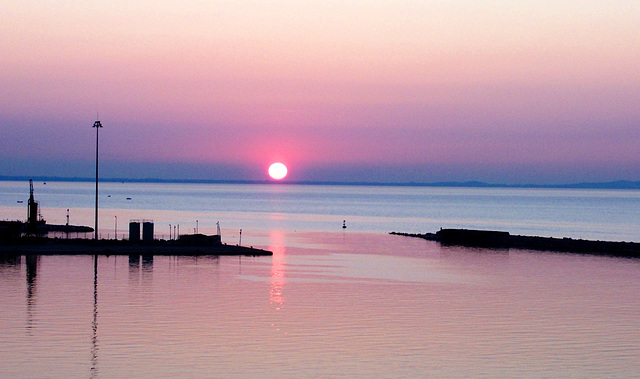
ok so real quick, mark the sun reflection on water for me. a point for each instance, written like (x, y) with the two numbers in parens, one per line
(278, 269)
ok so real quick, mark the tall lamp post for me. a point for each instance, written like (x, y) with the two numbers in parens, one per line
(97, 125)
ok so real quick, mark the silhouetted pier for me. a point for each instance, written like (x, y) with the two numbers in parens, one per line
(499, 239)
(204, 245)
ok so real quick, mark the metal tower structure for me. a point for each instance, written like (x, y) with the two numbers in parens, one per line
(32, 213)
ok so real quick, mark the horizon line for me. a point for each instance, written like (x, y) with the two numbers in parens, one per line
(616, 184)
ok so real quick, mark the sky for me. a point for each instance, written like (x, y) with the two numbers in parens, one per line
(541, 92)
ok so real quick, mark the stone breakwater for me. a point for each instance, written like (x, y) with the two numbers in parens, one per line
(499, 239)
(53, 246)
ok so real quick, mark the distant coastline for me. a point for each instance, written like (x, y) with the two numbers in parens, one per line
(618, 184)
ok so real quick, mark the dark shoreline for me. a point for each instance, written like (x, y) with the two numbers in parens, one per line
(55, 246)
(504, 240)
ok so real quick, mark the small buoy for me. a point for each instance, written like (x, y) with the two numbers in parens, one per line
(344, 224)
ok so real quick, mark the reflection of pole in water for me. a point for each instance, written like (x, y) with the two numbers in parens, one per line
(32, 272)
(94, 338)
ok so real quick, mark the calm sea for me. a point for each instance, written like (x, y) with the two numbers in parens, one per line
(331, 302)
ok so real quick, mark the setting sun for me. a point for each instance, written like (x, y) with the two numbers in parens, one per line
(277, 171)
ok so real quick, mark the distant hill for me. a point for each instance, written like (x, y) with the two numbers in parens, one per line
(618, 184)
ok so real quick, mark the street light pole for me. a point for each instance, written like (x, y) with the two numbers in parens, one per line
(97, 125)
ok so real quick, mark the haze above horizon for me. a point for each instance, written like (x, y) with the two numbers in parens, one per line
(525, 92)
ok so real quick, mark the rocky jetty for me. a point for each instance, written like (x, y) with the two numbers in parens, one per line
(499, 239)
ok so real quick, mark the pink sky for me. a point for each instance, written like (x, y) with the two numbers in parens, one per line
(525, 91)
